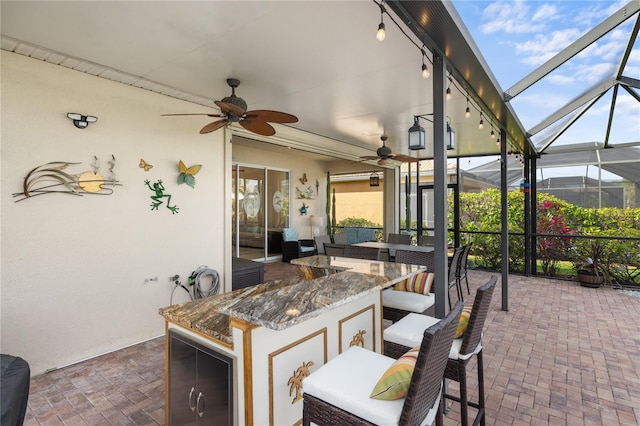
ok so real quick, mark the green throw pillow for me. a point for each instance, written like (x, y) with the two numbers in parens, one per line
(394, 383)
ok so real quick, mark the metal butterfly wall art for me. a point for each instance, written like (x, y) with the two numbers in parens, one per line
(187, 174)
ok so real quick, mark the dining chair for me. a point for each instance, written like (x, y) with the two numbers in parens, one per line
(370, 253)
(333, 249)
(339, 392)
(415, 258)
(319, 241)
(406, 333)
(425, 240)
(464, 260)
(340, 239)
(399, 239)
(454, 275)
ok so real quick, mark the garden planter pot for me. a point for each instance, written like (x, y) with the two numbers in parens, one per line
(589, 279)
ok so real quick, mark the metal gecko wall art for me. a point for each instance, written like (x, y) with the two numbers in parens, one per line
(53, 178)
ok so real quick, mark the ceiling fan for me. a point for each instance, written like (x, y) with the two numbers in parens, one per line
(234, 110)
(384, 154)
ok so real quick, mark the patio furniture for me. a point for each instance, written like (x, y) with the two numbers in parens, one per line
(454, 274)
(462, 270)
(370, 253)
(338, 393)
(425, 240)
(405, 333)
(358, 235)
(245, 273)
(416, 258)
(340, 239)
(334, 249)
(396, 304)
(293, 248)
(320, 241)
(399, 239)
(14, 389)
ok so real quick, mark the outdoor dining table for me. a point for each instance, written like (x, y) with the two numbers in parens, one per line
(393, 247)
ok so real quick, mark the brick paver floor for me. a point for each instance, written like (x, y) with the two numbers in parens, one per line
(562, 354)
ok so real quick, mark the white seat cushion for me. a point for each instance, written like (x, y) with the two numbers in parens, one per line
(407, 301)
(306, 249)
(347, 380)
(410, 330)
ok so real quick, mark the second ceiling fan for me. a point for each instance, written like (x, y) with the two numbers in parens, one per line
(384, 154)
(234, 110)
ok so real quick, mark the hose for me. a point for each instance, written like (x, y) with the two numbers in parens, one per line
(202, 289)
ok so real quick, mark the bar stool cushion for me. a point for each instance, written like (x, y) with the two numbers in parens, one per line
(346, 381)
(409, 330)
(407, 301)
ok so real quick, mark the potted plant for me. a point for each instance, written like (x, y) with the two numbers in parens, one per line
(591, 274)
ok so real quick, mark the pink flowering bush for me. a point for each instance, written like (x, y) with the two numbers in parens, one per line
(552, 249)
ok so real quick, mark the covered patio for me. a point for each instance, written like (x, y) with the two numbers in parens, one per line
(562, 354)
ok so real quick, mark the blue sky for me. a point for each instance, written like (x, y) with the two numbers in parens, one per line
(517, 36)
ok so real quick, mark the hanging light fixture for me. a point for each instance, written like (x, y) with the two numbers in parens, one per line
(374, 179)
(380, 35)
(449, 90)
(451, 137)
(416, 135)
(467, 112)
(481, 123)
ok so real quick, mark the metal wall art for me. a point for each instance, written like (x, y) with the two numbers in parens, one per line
(303, 209)
(144, 165)
(187, 174)
(158, 198)
(52, 178)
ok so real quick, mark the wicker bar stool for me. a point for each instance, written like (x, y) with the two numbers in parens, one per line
(406, 332)
(454, 274)
(338, 393)
(370, 253)
(464, 259)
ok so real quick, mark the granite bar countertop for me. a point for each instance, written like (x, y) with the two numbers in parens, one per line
(276, 304)
(320, 265)
(283, 307)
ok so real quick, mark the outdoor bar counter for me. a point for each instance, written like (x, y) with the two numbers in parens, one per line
(240, 357)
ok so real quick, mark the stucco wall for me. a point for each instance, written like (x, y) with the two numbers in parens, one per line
(73, 268)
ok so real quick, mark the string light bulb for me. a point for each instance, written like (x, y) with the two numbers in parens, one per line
(380, 35)
(481, 123)
(425, 69)
(449, 90)
(467, 112)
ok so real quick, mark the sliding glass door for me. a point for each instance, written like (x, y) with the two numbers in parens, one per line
(260, 206)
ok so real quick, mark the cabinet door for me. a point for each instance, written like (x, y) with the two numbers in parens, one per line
(214, 403)
(182, 382)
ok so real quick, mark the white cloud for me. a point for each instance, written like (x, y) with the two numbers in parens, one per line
(544, 46)
(546, 12)
(511, 17)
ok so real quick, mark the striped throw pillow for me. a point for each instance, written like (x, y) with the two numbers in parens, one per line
(418, 283)
(464, 321)
(394, 383)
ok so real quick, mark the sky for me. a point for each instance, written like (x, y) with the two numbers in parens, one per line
(517, 36)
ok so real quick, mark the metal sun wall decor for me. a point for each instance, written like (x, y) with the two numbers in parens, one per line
(51, 178)
(187, 174)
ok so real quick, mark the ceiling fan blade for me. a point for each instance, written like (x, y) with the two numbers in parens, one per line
(272, 116)
(208, 115)
(212, 127)
(403, 158)
(260, 127)
(227, 107)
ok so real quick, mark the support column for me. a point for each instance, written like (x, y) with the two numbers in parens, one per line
(440, 184)
(504, 216)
